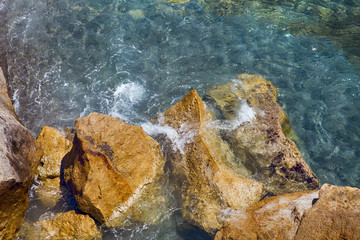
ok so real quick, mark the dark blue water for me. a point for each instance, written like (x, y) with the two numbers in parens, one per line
(134, 59)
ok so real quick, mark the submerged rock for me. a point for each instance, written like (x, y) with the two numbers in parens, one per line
(55, 147)
(259, 141)
(335, 215)
(113, 171)
(19, 158)
(273, 218)
(69, 225)
(206, 180)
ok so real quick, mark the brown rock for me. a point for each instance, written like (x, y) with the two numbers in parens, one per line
(208, 182)
(113, 171)
(55, 146)
(69, 225)
(275, 218)
(19, 158)
(336, 215)
(261, 143)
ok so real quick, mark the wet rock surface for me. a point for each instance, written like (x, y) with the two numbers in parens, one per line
(219, 162)
(276, 217)
(261, 143)
(19, 158)
(55, 146)
(335, 215)
(330, 213)
(113, 171)
(206, 180)
(69, 225)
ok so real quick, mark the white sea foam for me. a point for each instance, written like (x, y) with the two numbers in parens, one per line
(126, 96)
(15, 99)
(244, 114)
(179, 138)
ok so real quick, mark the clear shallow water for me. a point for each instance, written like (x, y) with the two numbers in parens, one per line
(134, 59)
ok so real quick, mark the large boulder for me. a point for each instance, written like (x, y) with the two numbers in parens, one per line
(258, 136)
(336, 215)
(55, 146)
(331, 213)
(19, 158)
(114, 171)
(68, 225)
(207, 180)
(273, 218)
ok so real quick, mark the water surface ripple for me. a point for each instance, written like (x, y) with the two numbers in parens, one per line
(133, 59)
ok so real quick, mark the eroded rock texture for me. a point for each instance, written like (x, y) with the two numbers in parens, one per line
(55, 146)
(19, 157)
(330, 213)
(207, 180)
(261, 144)
(336, 215)
(68, 225)
(276, 218)
(114, 171)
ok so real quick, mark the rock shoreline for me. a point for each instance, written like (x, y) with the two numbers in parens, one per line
(217, 162)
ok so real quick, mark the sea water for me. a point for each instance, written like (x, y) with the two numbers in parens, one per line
(133, 59)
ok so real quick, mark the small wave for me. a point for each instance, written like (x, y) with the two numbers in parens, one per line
(179, 138)
(126, 96)
(244, 114)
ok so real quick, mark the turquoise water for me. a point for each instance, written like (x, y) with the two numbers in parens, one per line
(134, 59)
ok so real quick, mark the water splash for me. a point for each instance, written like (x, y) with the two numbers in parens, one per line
(245, 113)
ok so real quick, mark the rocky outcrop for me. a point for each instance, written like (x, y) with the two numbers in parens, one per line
(273, 218)
(203, 168)
(19, 158)
(260, 141)
(69, 225)
(55, 146)
(114, 170)
(331, 213)
(335, 215)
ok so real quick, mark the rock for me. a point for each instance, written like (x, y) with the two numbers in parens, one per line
(273, 218)
(336, 215)
(19, 158)
(114, 171)
(331, 213)
(69, 225)
(207, 180)
(55, 146)
(259, 138)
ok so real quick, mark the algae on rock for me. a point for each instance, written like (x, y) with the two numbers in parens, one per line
(261, 144)
(206, 181)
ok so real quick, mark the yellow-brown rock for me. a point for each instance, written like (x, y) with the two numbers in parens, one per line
(203, 170)
(113, 171)
(336, 215)
(331, 213)
(55, 146)
(261, 143)
(276, 218)
(69, 225)
(19, 158)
